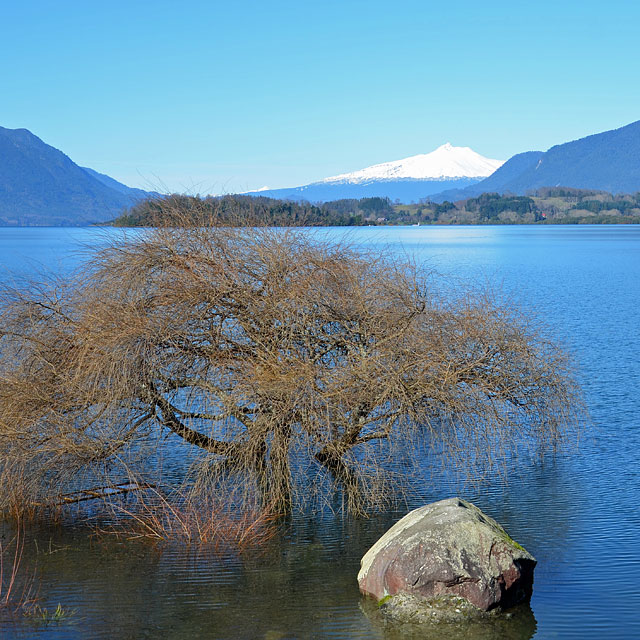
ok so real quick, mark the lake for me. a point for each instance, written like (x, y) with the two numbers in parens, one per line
(577, 512)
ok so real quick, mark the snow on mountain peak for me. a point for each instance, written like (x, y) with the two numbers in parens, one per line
(445, 163)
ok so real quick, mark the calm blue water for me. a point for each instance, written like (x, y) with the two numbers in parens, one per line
(578, 514)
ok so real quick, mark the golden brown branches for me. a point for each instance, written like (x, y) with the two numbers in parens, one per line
(278, 355)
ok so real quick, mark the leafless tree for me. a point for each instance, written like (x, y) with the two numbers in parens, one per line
(263, 363)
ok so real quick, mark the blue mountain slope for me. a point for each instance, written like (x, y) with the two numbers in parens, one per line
(40, 185)
(118, 186)
(608, 161)
(497, 181)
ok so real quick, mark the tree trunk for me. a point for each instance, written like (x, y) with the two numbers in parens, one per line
(280, 490)
(344, 475)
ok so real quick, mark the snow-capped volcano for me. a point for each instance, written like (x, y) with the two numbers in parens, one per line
(408, 180)
(445, 163)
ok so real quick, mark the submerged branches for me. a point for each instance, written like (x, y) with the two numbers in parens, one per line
(281, 357)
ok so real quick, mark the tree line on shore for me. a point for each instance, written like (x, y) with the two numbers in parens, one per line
(550, 205)
(235, 210)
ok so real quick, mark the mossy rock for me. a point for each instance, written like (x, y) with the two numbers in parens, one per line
(443, 552)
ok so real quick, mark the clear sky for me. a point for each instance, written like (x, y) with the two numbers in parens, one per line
(229, 96)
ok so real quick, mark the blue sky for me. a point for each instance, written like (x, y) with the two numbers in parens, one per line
(219, 96)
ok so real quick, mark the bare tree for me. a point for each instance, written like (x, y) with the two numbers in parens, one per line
(263, 363)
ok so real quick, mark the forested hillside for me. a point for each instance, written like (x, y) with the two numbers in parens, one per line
(551, 205)
(258, 211)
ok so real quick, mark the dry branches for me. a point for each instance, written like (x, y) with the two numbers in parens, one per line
(261, 364)
(205, 522)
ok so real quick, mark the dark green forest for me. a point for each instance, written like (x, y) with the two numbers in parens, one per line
(549, 205)
(259, 211)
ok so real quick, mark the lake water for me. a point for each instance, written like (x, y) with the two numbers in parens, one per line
(578, 512)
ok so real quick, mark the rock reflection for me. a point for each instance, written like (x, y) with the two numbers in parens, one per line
(518, 623)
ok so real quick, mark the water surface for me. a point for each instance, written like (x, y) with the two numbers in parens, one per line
(576, 512)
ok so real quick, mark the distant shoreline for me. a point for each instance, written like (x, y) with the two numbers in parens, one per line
(551, 205)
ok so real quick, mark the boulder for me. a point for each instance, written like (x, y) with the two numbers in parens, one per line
(443, 552)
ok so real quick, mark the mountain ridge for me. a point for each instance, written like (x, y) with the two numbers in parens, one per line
(607, 161)
(42, 186)
(118, 186)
